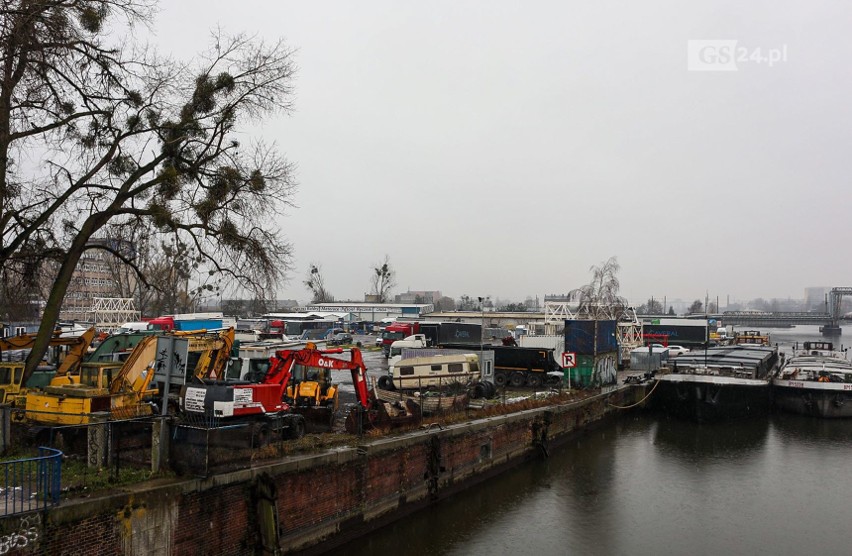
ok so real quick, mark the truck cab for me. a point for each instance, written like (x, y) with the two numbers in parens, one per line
(415, 341)
(397, 331)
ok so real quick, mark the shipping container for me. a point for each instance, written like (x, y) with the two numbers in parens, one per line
(591, 337)
(452, 334)
(684, 332)
(594, 371)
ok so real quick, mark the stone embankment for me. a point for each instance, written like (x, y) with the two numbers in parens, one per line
(307, 503)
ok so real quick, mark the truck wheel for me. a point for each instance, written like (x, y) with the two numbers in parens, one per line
(517, 379)
(385, 383)
(297, 427)
(500, 378)
(534, 381)
(477, 391)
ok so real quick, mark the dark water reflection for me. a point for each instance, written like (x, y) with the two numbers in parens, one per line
(652, 485)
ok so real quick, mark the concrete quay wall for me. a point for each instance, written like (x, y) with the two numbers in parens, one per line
(309, 503)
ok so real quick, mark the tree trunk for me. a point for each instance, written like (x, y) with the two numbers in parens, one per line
(57, 293)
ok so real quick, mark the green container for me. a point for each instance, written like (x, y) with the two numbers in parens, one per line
(593, 372)
(581, 376)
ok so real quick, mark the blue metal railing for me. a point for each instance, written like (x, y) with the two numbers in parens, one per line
(31, 484)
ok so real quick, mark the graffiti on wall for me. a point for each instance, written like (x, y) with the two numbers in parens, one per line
(605, 369)
(24, 534)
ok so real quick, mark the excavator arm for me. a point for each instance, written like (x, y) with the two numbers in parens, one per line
(215, 351)
(138, 370)
(78, 347)
(76, 352)
(320, 358)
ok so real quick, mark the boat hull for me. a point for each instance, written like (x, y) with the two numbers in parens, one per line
(817, 399)
(711, 398)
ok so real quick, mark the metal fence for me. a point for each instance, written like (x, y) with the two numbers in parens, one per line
(201, 449)
(31, 484)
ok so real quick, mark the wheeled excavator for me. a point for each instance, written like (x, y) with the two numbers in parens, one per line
(275, 407)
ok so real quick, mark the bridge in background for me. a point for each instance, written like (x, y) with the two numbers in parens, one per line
(829, 322)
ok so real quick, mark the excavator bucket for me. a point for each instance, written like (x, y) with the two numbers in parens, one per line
(383, 416)
(317, 418)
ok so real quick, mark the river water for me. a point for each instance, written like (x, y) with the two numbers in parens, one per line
(647, 484)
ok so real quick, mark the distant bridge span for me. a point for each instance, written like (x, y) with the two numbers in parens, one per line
(829, 322)
(780, 318)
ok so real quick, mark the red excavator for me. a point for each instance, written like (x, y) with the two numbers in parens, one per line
(277, 410)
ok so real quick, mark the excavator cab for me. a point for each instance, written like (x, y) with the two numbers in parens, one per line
(312, 393)
(309, 385)
(98, 376)
(10, 380)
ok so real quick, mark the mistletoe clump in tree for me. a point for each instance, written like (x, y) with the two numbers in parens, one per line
(99, 135)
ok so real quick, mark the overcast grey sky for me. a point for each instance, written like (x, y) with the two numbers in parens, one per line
(502, 148)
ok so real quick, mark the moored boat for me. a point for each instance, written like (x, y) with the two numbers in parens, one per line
(815, 381)
(719, 383)
(751, 337)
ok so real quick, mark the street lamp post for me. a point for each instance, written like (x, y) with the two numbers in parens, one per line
(482, 301)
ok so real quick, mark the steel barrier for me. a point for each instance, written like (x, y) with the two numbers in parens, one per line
(31, 484)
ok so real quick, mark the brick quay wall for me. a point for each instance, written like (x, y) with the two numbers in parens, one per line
(306, 504)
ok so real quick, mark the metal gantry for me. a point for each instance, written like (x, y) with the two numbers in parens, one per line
(629, 332)
(835, 297)
(109, 313)
(555, 315)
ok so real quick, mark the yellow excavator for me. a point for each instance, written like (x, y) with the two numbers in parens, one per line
(67, 372)
(214, 349)
(125, 389)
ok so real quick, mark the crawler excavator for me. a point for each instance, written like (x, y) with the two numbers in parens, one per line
(67, 372)
(124, 389)
(272, 406)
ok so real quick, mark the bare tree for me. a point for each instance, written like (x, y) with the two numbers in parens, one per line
(599, 299)
(650, 307)
(696, 307)
(316, 284)
(467, 303)
(126, 139)
(383, 280)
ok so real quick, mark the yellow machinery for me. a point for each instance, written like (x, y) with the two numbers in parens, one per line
(67, 372)
(312, 392)
(214, 349)
(123, 389)
(102, 389)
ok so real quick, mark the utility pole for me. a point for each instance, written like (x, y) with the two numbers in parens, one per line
(482, 331)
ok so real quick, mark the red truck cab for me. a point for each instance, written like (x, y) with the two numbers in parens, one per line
(397, 331)
(163, 323)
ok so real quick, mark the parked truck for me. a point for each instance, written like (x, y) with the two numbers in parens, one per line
(452, 334)
(521, 366)
(415, 341)
(188, 321)
(397, 331)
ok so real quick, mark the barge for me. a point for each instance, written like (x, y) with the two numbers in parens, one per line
(817, 381)
(719, 383)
